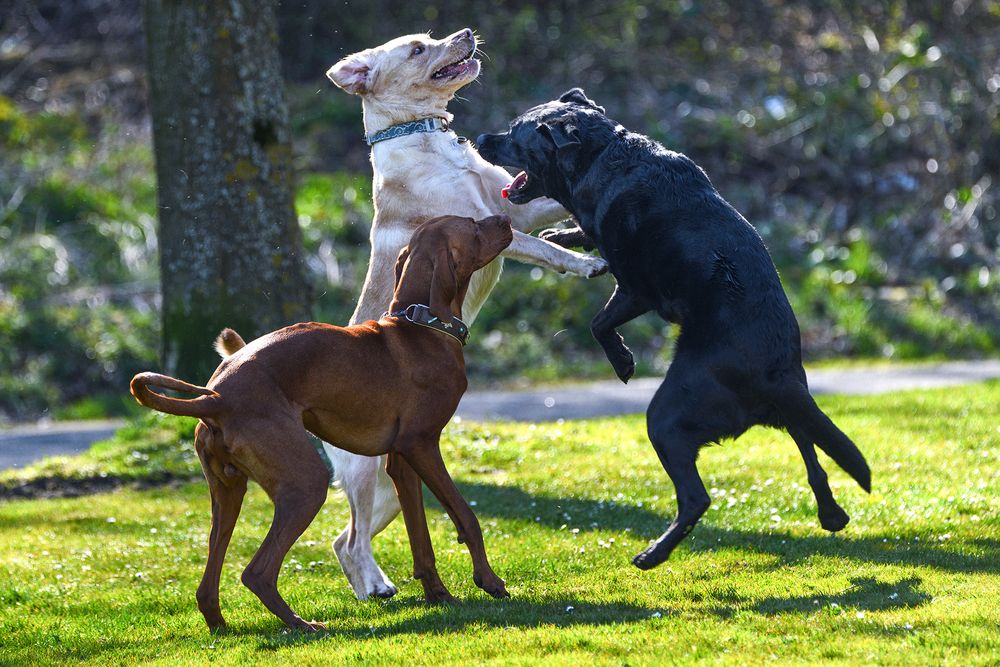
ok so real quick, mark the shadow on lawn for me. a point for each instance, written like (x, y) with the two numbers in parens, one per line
(865, 594)
(561, 612)
(508, 502)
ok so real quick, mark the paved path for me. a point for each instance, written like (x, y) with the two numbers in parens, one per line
(23, 444)
(611, 397)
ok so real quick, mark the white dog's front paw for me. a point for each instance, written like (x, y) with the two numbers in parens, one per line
(588, 266)
(363, 574)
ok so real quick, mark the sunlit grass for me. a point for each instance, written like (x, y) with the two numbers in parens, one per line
(914, 579)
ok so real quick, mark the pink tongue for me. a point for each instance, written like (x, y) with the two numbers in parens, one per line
(518, 182)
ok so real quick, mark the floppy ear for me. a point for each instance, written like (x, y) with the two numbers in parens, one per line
(576, 95)
(567, 140)
(400, 262)
(352, 74)
(444, 286)
(563, 135)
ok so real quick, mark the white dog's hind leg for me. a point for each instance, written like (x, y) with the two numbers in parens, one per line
(360, 479)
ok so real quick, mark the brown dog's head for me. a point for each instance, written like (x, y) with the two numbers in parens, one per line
(443, 253)
(412, 76)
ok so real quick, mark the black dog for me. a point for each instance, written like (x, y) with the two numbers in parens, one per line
(677, 247)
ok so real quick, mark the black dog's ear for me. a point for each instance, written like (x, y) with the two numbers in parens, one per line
(579, 97)
(563, 135)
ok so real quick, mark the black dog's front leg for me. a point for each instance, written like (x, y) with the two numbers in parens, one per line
(574, 237)
(620, 308)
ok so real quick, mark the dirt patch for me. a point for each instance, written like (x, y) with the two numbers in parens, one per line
(62, 487)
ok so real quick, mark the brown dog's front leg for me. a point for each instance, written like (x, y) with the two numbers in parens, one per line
(427, 462)
(411, 500)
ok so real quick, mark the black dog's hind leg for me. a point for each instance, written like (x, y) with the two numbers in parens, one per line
(689, 410)
(620, 308)
(574, 237)
(831, 515)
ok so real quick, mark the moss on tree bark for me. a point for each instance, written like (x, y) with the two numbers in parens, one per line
(230, 246)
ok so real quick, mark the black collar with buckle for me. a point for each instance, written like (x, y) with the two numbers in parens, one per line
(420, 314)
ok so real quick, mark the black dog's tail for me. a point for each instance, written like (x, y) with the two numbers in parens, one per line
(799, 410)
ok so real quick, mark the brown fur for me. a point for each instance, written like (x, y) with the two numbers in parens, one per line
(381, 387)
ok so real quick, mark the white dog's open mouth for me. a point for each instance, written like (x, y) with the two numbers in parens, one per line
(458, 68)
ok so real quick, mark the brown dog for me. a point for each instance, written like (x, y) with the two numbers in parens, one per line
(381, 387)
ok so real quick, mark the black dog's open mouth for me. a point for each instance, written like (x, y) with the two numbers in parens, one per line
(519, 183)
(461, 66)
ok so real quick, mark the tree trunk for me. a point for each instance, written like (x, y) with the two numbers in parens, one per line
(230, 245)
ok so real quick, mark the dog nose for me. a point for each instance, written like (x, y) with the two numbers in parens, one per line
(466, 34)
(481, 139)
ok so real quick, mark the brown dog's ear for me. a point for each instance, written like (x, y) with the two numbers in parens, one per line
(400, 262)
(444, 286)
(353, 74)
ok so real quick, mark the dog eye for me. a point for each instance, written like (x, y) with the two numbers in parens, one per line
(417, 50)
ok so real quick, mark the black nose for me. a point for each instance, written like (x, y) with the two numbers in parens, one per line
(481, 139)
(467, 33)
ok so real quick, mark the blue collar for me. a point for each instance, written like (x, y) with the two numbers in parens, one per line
(404, 129)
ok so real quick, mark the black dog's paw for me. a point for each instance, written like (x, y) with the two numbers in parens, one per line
(624, 364)
(834, 520)
(556, 235)
(568, 238)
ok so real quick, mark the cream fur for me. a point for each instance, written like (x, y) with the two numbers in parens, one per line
(415, 178)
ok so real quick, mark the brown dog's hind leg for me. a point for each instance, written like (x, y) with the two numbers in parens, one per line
(411, 501)
(427, 462)
(297, 481)
(227, 493)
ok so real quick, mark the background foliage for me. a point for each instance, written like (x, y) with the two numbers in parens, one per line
(862, 139)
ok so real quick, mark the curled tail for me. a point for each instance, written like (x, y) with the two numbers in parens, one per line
(799, 410)
(205, 406)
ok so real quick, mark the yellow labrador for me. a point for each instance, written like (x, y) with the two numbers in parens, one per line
(422, 170)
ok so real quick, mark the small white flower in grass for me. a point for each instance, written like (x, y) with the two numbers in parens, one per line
(472, 503)
(860, 614)
(908, 626)
(153, 531)
(655, 614)
(894, 596)
(111, 519)
(569, 609)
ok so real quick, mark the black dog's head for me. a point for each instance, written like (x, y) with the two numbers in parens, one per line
(550, 144)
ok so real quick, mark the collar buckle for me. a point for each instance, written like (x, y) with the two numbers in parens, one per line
(421, 315)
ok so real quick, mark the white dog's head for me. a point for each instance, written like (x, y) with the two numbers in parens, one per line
(410, 76)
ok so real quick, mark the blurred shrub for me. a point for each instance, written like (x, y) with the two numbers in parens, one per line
(77, 263)
(862, 139)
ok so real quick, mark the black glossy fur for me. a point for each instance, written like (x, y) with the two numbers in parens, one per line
(677, 247)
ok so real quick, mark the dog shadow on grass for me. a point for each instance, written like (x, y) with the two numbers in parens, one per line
(513, 503)
(555, 611)
(865, 594)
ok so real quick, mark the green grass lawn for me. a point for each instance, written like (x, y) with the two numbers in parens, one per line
(914, 579)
